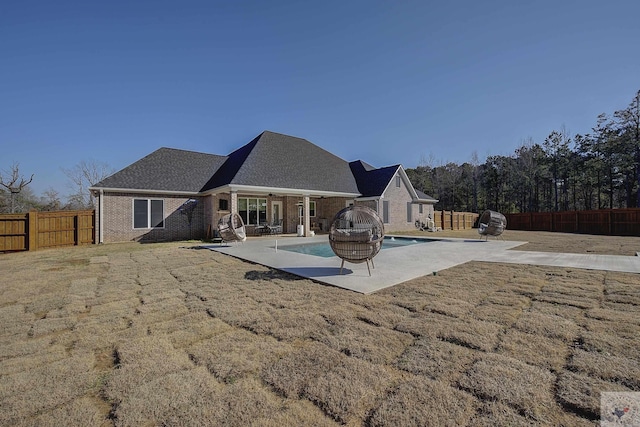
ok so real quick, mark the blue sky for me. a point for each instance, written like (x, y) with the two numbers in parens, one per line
(383, 81)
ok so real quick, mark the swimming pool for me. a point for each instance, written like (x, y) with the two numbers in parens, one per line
(324, 250)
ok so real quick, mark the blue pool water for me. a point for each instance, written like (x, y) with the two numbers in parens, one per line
(324, 249)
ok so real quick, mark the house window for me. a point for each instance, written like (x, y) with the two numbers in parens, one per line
(398, 181)
(223, 205)
(385, 211)
(252, 210)
(312, 208)
(420, 208)
(409, 216)
(148, 213)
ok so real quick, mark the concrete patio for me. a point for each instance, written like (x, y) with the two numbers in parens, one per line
(397, 265)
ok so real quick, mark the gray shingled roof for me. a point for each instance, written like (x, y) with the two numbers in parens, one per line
(166, 169)
(270, 160)
(371, 181)
(282, 161)
(423, 196)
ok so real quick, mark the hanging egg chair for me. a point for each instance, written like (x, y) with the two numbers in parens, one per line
(356, 234)
(231, 228)
(491, 223)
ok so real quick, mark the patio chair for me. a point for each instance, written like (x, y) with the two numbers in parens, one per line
(231, 228)
(356, 234)
(491, 223)
(276, 227)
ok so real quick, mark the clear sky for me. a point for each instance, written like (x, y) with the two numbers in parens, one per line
(383, 81)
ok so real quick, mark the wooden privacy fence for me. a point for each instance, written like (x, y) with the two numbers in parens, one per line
(451, 220)
(614, 222)
(39, 230)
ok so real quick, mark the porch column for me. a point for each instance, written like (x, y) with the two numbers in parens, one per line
(211, 218)
(307, 218)
(234, 201)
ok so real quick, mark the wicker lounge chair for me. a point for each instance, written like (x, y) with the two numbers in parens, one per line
(231, 228)
(491, 223)
(356, 234)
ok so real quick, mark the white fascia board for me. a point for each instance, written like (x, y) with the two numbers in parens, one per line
(255, 189)
(367, 199)
(407, 181)
(145, 191)
(390, 181)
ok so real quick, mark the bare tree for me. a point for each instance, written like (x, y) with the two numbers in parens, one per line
(14, 182)
(82, 176)
(51, 200)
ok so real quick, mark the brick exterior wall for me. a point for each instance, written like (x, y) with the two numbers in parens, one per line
(214, 213)
(118, 219)
(398, 197)
(118, 214)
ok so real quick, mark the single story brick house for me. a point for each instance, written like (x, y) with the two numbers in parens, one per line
(174, 194)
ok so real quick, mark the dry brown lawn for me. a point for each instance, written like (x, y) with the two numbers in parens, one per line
(167, 334)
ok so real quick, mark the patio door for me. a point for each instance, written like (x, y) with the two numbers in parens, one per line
(276, 212)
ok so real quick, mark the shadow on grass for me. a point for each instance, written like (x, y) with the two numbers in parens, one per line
(271, 274)
(296, 273)
(319, 271)
(208, 247)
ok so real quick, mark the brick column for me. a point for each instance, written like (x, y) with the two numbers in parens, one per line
(234, 201)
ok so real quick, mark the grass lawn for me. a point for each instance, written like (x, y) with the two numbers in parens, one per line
(166, 334)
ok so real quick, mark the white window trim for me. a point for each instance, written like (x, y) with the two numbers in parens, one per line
(257, 199)
(314, 209)
(386, 220)
(133, 214)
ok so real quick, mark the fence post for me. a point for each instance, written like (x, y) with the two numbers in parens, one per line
(610, 227)
(76, 232)
(32, 230)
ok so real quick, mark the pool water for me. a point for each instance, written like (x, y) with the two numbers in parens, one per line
(324, 249)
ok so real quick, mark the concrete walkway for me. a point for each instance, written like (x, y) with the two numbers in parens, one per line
(397, 265)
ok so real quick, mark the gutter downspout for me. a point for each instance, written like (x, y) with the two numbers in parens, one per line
(100, 220)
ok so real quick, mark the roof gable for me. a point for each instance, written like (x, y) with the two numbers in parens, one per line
(372, 182)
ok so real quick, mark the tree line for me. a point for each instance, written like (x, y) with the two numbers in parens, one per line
(17, 197)
(596, 170)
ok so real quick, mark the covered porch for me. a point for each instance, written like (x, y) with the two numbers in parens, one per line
(298, 212)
